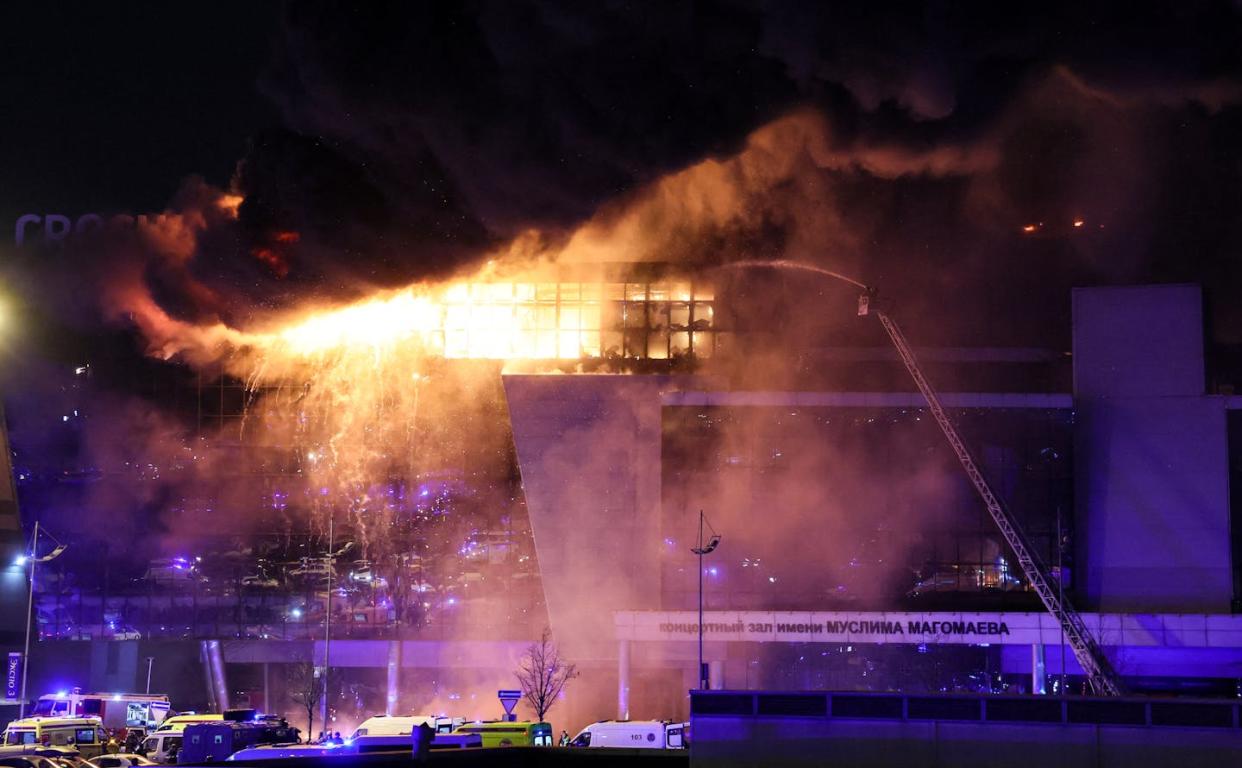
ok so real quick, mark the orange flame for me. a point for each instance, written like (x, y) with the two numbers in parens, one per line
(500, 321)
(230, 204)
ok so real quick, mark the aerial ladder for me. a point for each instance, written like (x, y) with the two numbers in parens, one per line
(1101, 677)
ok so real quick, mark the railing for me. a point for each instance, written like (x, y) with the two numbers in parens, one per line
(269, 616)
(1197, 713)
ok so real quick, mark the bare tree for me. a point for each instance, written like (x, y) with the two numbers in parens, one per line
(542, 674)
(306, 689)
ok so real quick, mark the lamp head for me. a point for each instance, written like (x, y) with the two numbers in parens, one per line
(709, 547)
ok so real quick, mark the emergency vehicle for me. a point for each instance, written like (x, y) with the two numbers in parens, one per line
(634, 734)
(85, 734)
(115, 710)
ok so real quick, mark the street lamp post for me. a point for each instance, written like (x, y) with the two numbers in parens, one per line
(330, 561)
(21, 710)
(701, 550)
(32, 557)
(327, 623)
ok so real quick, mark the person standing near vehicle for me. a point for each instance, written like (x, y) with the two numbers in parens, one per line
(564, 742)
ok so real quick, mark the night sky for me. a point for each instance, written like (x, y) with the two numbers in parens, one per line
(400, 141)
(167, 390)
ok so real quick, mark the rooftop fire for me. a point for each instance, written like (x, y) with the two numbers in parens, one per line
(518, 320)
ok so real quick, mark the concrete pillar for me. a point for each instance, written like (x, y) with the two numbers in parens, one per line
(623, 680)
(267, 697)
(394, 677)
(716, 674)
(213, 667)
(690, 677)
(1039, 677)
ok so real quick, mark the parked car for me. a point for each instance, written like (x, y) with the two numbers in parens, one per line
(260, 581)
(39, 756)
(173, 571)
(312, 569)
(28, 761)
(362, 572)
(121, 760)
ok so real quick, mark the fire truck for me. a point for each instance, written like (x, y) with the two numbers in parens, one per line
(115, 710)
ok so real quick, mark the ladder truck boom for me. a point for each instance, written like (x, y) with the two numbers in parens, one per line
(1101, 676)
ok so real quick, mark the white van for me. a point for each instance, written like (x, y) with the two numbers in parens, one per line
(391, 725)
(634, 734)
(162, 746)
(177, 723)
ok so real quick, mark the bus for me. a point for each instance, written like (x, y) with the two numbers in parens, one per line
(510, 734)
(116, 710)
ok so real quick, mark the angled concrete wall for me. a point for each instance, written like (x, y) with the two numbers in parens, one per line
(589, 451)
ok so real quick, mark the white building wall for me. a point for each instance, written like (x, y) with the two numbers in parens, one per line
(1151, 455)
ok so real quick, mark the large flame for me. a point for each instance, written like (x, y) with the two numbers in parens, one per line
(361, 392)
(364, 399)
(508, 320)
(375, 323)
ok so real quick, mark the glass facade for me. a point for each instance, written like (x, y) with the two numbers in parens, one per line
(859, 508)
(219, 517)
(220, 531)
(277, 588)
(1234, 426)
(574, 320)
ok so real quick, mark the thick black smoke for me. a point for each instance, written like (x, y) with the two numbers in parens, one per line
(415, 137)
(418, 134)
(518, 114)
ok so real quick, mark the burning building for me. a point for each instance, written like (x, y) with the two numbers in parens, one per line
(502, 454)
(854, 552)
(478, 324)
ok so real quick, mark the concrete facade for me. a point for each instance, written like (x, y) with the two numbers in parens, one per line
(589, 450)
(1151, 484)
(1151, 499)
(1151, 452)
(1151, 458)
